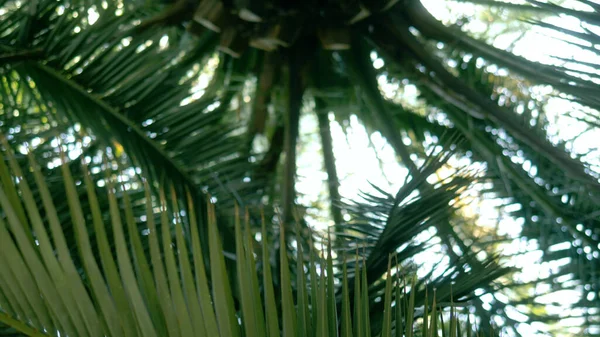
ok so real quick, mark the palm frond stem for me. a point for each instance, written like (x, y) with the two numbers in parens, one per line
(20, 326)
(21, 56)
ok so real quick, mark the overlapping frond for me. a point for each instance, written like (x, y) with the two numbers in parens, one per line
(521, 175)
(135, 77)
(170, 290)
(136, 89)
(408, 225)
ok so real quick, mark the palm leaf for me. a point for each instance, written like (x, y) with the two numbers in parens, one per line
(129, 81)
(62, 301)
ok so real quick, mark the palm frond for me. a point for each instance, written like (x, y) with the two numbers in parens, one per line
(553, 220)
(387, 225)
(125, 87)
(132, 83)
(125, 293)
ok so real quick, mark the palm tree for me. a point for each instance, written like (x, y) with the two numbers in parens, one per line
(128, 81)
(111, 287)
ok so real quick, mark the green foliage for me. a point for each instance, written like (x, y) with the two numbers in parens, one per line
(181, 105)
(123, 293)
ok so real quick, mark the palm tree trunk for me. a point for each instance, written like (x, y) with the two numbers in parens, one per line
(267, 78)
(295, 91)
(333, 182)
